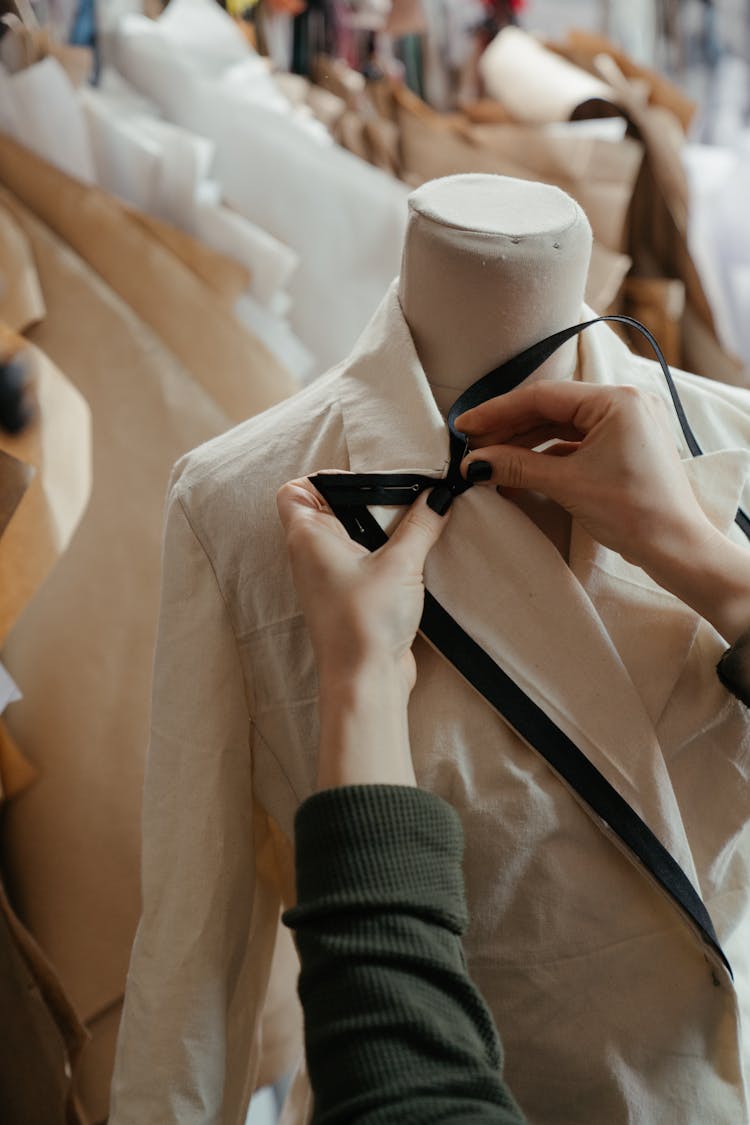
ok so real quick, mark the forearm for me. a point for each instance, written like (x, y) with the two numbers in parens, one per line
(364, 731)
(712, 576)
(395, 1030)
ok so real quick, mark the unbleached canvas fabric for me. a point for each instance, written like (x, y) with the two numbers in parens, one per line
(608, 1008)
(224, 276)
(82, 651)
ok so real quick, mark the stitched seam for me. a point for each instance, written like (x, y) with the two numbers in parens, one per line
(274, 755)
(292, 621)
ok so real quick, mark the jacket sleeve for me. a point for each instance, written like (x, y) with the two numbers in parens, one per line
(196, 983)
(395, 1031)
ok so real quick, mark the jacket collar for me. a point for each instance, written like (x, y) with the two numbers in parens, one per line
(558, 630)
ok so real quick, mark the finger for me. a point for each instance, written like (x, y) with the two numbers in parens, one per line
(538, 435)
(561, 449)
(525, 408)
(415, 536)
(517, 468)
(297, 497)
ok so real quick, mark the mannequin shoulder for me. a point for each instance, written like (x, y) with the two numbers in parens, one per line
(242, 468)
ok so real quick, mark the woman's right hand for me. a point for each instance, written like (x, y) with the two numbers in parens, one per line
(616, 469)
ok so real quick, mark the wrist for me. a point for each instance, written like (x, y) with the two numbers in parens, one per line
(353, 674)
(364, 733)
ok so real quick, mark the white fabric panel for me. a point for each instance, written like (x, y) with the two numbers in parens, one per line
(39, 109)
(343, 218)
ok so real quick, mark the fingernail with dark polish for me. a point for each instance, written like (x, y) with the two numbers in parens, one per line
(440, 499)
(479, 471)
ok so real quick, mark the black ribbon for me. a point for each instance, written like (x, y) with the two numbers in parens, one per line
(349, 494)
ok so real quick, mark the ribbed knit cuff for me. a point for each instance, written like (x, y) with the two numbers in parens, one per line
(379, 845)
(734, 668)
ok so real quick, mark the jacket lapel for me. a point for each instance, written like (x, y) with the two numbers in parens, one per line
(509, 588)
(506, 585)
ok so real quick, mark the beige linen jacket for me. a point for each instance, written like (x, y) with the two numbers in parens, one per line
(608, 1006)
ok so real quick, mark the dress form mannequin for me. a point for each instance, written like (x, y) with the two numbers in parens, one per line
(557, 911)
(490, 266)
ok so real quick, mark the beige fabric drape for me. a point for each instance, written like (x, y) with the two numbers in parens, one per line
(162, 371)
(21, 301)
(45, 473)
(171, 299)
(44, 489)
(57, 447)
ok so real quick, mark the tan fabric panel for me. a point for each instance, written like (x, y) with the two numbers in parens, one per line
(184, 313)
(15, 478)
(16, 772)
(82, 651)
(56, 445)
(223, 275)
(21, 303)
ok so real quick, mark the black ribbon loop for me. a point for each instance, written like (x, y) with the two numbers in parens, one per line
(512, 373)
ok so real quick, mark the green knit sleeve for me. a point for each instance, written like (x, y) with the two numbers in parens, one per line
(394, 1029)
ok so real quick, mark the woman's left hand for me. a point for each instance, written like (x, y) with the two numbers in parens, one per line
(362, 609)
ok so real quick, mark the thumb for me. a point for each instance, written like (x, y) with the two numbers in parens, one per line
(415, 536)
(295, 498)
(515, 467)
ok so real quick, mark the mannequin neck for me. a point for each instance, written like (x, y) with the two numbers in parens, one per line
(490, 266)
